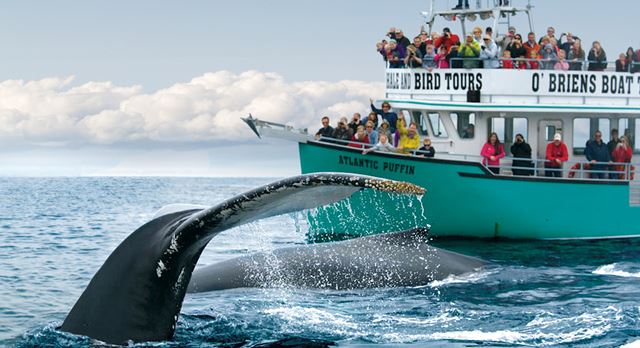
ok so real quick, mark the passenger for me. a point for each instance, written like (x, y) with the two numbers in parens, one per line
(427, 150)
(567, 45)
(621, 63)
(441, 59)
(556, 155)
(359, 139)
(551, 32)
(504, 41)
(632, 60)
(414, 57)
(447, 39)
(384, 129)
(373, 117)
(534, 61)
(386, 114)
(342, 133)
(489, 53)
(531, 45)
(396, 134)
(597, 58)
(506, 61)
(383, 145)
(409, 138)
(459, 7)
(613, 143)
(576, 56)
(372, 133)
(355, 122)
(622, 154)
(597, 152)
(477, 35)
(381, 47)
(395, 55)
(454, 63)
(492, 152)
(521, 150)
(489, 31)
(561, 64)
(420, 45)
(470, 51)
(401, 39)
(518, 52)
(549, 57)
(469, 131)
(326, 131)
(428, 60)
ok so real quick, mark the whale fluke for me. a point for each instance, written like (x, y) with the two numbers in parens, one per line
(137, 294)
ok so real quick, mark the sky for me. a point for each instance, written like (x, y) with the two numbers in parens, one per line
(158, 87)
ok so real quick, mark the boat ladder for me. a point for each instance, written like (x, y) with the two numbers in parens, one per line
(634, 193)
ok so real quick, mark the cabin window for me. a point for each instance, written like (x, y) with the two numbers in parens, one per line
(436, 124)
(407, 117)
(604, 126)
(581, 130)
(632, 136)
(465, 124)
(520, 126)
(497, 125)
(422, 123)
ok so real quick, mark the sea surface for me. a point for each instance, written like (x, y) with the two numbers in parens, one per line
(56, 232)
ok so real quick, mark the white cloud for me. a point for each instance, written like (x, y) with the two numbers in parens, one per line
(207, 108)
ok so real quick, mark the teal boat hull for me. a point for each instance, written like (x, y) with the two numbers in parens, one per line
(464, 200)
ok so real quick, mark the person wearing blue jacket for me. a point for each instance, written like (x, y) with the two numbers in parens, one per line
(597, 152)
(386, 114)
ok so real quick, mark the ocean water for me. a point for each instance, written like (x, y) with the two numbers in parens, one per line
(56, 232)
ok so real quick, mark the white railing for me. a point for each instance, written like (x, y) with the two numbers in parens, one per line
(575, 170)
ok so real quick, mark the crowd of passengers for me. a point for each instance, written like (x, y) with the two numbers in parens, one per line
(606, 160)
(511, 51)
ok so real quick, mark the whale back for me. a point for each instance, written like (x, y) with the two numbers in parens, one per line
(385, 260)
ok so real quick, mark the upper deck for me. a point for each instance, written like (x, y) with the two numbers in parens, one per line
(508, 90)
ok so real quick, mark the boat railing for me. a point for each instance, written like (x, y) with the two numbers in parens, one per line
(543, 64)
(575, 169)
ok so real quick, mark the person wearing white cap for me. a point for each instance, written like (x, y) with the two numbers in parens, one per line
(489, 53)
(557, 154)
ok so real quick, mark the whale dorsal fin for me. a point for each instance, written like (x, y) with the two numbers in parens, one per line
(137, 294)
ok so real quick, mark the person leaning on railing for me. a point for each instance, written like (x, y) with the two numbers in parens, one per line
(597, 152)
(621, 63)
(469, 51)
(576, 56)
(597, 58)
(561, 64)
(383, 145)
(489, 53)
(621, 154)
(427, 150)
(492, 152)
(326, 131)
(342, 132)
(409, 138)
(360, 139)
(414, 57)
(556, 155)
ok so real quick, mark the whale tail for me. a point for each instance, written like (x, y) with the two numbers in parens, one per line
(137, 294)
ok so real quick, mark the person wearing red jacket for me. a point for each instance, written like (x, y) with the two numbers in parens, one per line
(621, 154)
(557, 154)
(492, 152)
(360, 139)
(447, 39)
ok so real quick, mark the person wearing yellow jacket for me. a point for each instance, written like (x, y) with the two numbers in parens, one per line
(409, 138)
(470, 49)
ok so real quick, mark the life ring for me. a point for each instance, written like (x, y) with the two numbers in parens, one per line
(574, 169)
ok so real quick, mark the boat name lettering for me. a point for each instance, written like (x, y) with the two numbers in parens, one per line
(374, 164)
(583, 83)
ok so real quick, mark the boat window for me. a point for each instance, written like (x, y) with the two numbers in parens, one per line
(464, 123)
(581, 130)
(604, 126)
(632, 136)
(496, 125)
(422, 122)
(407, 117)
(549, 131)
(520, 126)
(436, 124)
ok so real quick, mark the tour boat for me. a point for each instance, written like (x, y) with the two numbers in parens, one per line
(464, 198)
